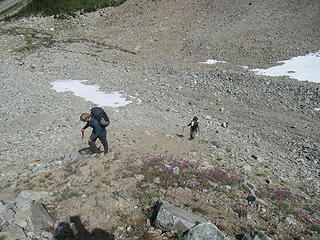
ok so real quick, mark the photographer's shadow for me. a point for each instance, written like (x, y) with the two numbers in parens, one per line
(64, 231)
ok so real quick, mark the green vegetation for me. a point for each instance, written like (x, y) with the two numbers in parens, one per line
(241, 211)
(67, 195)
(180, 236)
(181, 173)
(65, 8)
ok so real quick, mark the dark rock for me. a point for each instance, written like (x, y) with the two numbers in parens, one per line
(251, 199)
(123, 194)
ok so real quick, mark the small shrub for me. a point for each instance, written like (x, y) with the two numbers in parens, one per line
(28, 39)
(67, 195)
(261, 174)
(315, 227)
(180, 236)
(242, 212)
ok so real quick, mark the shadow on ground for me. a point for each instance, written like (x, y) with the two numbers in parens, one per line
(78, 231)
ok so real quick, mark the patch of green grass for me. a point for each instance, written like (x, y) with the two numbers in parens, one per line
(200, 209)
(146, 199)
(65, 8)
(107, 182)
(180, 236)
(228, 150)
(28, 39)
(67, 195)
(28, 47)
(2, 237)
(242, 212)
(315, 227)
(261, 174)
(125, 216)
(232, 195)
(185, 174)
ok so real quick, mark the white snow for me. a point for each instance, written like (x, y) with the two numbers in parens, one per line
(302, 68)
(211, 61)
(90, 93)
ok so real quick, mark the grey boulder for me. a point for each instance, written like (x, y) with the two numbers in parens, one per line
(205, 231)
(255, 236)
(35, 195)
(12, 231)
(172, 218)
(26, 213)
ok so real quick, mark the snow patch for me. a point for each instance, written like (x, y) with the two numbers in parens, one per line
(304, 68)
(211, 61)
(90, 93)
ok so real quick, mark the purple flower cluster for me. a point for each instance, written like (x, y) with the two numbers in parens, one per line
(283, 193)
(219, 175)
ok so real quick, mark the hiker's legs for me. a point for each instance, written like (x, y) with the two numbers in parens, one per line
(192, 134)
(104, 142)
(93, 147)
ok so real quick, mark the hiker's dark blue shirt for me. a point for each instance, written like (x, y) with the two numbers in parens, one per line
(97, 131)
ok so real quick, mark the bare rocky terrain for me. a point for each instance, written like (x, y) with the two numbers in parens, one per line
(262, 129)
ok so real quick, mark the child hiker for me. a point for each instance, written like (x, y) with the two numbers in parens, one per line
(194, 128)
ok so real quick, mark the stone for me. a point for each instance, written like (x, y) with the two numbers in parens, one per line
(75, 156)
(255, 236)
(193, 154)
(21, 223)
(6, 213)
(176, 170)
(246, 168)
(12, 231)
(291, 221)
(47, 235)
(224, 124)
(255, 157)
(6, 195)
(205, 231)
(262, 202)
(172, 218)
(156, 180)
(32, 235)
(139, 177)
(123, 194)
(35, 195)
(36, 215)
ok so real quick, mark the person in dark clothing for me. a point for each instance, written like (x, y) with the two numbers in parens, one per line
(194, 128)
(97, 132)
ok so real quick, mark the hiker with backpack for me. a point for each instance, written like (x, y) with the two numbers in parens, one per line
(98, 120)
(194, 128)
